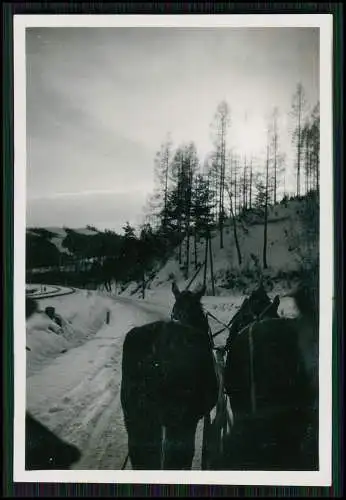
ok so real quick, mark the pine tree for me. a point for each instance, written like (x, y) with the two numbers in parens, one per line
(162, 168)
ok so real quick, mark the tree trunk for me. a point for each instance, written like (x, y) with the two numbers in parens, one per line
(221, 205)
(195, 246)
(206, 258)
(143, 285)
(235, 188)
(299, 145)
(307, 169)
(187, 251)
(250, 201)
(244, 186)
(211, 265)
(265, 265)
(317, 169)
(166, 185)
(275, 168)
(235, 233)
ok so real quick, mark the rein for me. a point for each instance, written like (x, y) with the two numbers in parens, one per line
(256, 319)
(224, 349)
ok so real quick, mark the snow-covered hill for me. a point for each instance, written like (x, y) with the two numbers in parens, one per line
(56, 235)
(288, 250)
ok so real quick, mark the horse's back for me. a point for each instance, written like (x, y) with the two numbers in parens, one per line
(279, 374)
(170, 366)
(281, 430)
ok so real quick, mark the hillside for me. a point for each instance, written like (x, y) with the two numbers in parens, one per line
(52, 246)
(292, 246)
(56, 235)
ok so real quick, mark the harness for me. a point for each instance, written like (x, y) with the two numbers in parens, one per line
(221, 406)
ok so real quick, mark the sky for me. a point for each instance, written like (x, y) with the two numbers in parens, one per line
(100, 101)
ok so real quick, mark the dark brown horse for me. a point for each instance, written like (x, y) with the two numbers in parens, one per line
(168, 382)
(271, 378)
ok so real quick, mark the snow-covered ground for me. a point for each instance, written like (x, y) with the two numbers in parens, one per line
(74, 371)
(35, 290)
(39, 291)
(77, 394)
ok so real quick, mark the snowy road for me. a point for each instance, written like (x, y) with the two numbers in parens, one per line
(78, 394)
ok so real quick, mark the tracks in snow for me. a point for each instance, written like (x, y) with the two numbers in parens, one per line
(78, 395)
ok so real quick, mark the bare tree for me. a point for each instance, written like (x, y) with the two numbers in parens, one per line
(201, 210)
(315, 132)
(211, 265)
(298, 108)
(162, 167)
(275, 151)
(221, 123)
(311, 147)
(190, 170)
(306, 145)
(244, 185)
(250, 184)
(235, 183)
(234, 223)
(265, 239)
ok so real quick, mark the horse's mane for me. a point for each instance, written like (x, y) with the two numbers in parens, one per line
(307, 301)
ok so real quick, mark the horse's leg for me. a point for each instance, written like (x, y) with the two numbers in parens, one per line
(180, 445)
(144, 442)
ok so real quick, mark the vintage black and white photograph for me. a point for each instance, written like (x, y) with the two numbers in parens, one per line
(174, 265)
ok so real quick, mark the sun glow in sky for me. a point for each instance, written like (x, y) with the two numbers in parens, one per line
(101, 100)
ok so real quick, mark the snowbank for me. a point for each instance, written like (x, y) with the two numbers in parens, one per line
(82, 315)
(77, 395)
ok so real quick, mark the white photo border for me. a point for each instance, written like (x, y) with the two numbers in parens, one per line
(322, 477)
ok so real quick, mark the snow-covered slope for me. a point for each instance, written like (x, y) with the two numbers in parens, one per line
(285, 247)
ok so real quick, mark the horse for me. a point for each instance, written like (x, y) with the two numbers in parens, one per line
(257, 304)
(271, 379)
(168, 384)
(44, 450)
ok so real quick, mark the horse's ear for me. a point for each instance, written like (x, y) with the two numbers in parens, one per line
(201, 292)
(175, 290)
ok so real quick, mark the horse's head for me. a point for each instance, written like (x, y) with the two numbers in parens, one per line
(252, 307)
(306, 298)
(259, 300)
(188, 309)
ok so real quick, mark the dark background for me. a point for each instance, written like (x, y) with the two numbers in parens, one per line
(9, 9)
